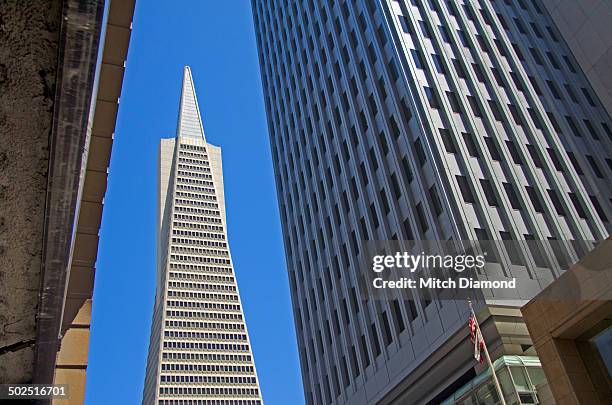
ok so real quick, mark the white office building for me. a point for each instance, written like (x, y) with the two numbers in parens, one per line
(199, 352)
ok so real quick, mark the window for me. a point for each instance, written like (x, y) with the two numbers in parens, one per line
(598, 208)
(445, 34)
(577, 167)
(421, 218)
(570, 92)
(573, 127)
(459, 68)
(385, 201)
(554, 197)
(396, 187)
(405, 24)
(470, 143)
(578, 205)
(594, 166)
(398, 316)
(464, 186)
(492, 148)
(489, 192)
(475, 107)
(497, 114)
(479, 73)
(447, 139)
(534, 156)
(498, 77)
(407, 170)
(553, 60)
(432, 97)
(418, 58)
(588, 97)
(454, 102)
(569, 64)
(552, 33)
(536, 56)
(553, 89)
(555, 159)
(512, 196)
(515, 115)
(516, 157)
(591, 130)
(418, 148)
(435, 200)
(438, 63)
(425, 29)
(535, 199)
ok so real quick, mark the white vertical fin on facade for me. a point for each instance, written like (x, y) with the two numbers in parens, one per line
(190, 120)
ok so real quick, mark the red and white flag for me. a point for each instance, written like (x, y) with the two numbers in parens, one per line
(476, 338)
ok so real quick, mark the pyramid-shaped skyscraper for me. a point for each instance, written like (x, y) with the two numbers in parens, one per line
(199, 352)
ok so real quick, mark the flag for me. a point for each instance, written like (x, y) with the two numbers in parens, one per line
(476, 338)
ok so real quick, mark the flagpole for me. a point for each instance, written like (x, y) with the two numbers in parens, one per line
(486, 350)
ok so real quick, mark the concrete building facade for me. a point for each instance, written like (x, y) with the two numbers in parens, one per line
(423, 120)
(586, 28)
(61, 74)
(199, 352)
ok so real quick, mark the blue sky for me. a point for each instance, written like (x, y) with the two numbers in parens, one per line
(216, 38)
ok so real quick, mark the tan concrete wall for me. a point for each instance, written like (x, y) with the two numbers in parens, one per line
(29, 35)
(587, 28)
(71, 366)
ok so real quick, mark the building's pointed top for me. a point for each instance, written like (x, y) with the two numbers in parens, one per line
(190, 120)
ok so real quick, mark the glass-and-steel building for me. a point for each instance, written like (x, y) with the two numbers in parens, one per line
(433, 120)
(199, 352)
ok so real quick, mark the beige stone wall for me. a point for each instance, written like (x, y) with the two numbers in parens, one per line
(587, 28)
(71, 366)
(556, 324)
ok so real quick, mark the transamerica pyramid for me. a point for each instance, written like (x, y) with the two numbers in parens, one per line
(199, 351)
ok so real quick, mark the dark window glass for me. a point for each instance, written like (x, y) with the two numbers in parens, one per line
(489, 192)
(432, 97)
(535, 199)
(554, 197)
(492, 148)
(512, 196)
(449, 145)
(470, 143)
(464, 186)
(435, 200)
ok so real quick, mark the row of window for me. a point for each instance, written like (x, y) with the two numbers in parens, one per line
(203, 305)
(204, 296)
(205, 335)
(204, 315)
(210, 252)
(199, 211)
(195, 234)
(191, 225)
(186, 334)
(201, 277)
(200, 259)
(196, 203)
(206, 357)
(197, 346)
(182, 175)
(196, 267)
(238, 392)
(207, 379)
(206, 368)
(184, 146)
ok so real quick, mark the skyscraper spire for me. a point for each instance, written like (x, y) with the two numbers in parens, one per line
(190, 120)
(199, 350)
